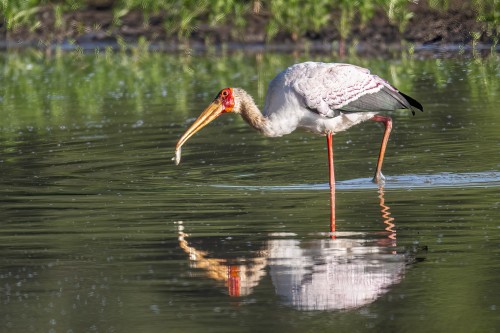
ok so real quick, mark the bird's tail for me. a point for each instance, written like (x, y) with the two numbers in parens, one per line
(413, 103)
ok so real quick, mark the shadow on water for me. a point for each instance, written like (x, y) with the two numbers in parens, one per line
(346, 270)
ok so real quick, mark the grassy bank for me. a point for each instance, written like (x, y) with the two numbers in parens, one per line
(219, 21)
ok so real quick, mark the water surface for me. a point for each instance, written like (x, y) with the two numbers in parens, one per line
(100, 231)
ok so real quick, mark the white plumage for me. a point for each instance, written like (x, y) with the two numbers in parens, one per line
(326, 97)
(327, 87)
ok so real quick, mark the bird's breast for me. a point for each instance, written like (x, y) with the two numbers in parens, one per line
(282, 123)
(343, 121)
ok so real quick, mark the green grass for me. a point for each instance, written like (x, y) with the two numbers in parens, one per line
(295, 17)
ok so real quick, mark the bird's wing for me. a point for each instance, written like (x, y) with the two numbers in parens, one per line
(330, 88)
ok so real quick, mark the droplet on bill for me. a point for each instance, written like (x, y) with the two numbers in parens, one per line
(177, 157)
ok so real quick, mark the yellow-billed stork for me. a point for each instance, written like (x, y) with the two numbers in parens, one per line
(324, 98)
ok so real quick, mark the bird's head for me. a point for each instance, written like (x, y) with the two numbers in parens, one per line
(224, 102)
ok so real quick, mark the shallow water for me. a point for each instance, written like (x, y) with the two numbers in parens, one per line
(100, 231)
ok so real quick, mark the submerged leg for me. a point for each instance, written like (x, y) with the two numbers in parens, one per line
(332, 181)
(379, 177)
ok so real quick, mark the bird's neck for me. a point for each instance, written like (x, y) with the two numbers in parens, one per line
(246, 106)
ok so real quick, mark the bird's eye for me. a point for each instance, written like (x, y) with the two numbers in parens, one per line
(224, 93)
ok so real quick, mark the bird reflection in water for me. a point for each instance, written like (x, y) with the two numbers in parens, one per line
(388, 219)
(239, 277)
(315, 274)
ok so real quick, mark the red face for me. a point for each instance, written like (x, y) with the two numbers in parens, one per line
(227, 99)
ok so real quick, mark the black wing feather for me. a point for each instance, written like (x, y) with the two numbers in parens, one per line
(414, 103)
(384, 100)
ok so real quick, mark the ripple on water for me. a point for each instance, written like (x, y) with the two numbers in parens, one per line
(486, 179)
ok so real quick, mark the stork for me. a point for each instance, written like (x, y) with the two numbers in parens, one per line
(323, 98)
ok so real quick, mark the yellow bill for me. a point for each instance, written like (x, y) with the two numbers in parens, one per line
(214, 110)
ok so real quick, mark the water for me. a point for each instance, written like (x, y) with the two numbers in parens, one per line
(100, 231)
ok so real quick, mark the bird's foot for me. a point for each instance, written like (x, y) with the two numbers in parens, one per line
(379, 179)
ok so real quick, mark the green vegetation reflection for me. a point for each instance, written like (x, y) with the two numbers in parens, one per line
(42, 92)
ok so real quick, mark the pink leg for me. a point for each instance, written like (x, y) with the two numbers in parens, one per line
(379, 177)
(332, 181)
